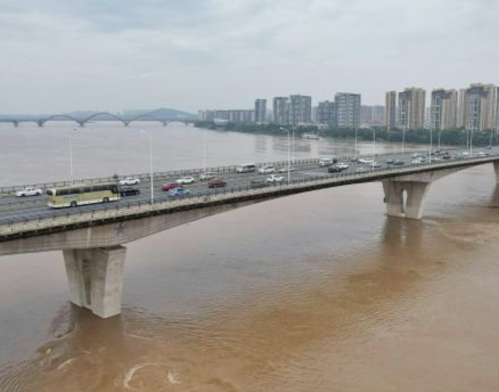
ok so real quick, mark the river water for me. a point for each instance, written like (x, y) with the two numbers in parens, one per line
(314, 292)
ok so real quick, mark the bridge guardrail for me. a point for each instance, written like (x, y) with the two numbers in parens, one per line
(24, 224)
(178, 173)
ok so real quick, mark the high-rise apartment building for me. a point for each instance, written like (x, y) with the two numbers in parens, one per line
(300, 109)
(372, 115)
(234, 116)
(261, 111)
(347, 108)
(391, 110)
(412, 108)
(443, 109)
(478, 106)
(326, 113)
(281, 110)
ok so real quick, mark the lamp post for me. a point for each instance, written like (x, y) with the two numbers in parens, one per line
(70, 146)
(403, 140)
(431, 145)
(204, 151)
(151, 170)
(356, 151)
(289, 153)
(471, 144)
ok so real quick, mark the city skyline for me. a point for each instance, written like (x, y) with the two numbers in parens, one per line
(60, 56)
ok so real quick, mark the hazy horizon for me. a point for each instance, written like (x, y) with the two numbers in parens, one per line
(216, 54)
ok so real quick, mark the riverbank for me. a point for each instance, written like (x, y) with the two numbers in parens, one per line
(454, 137)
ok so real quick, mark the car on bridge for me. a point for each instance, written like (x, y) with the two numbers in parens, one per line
(334, 169)
(129, 191)
(365, 161)
(31, 191)
(285, 169)
(206, 176)
(273, 178)
(398, 162)
(375, 165)
(216, 183)
(186, 180)
(327, 161)
(169, 187)
(258, 184)
(129, 181)
(267, 169)
(343, 166)
(179, 192)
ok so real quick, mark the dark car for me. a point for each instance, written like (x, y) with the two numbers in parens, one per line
(397, 162)
(334, 169)
(169, 187)
(216, 183)
(447, 156)
(258, 184)
(129, 191)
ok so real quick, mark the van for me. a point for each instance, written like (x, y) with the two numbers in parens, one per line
(246, 168)
(327, 161)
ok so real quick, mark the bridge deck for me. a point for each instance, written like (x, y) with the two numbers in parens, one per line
(21, 218)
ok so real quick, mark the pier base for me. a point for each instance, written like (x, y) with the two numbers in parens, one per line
(405, 198)
(95, 278)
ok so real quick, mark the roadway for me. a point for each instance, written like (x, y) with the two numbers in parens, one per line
(16, 209)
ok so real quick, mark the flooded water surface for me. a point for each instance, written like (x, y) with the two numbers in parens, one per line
(314, 292)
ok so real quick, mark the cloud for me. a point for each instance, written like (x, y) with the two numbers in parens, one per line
(195, 54)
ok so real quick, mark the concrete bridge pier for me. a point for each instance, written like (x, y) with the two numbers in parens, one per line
(95, 278)
(405, 198)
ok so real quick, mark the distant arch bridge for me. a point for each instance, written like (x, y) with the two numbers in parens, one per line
(101, 116)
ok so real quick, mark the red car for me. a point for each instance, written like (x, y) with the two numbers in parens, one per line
(169, 187)
(216, 183)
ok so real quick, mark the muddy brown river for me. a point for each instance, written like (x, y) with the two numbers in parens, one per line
(314, 292)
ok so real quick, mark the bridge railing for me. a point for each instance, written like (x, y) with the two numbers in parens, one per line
(165, 175)
(33, 222)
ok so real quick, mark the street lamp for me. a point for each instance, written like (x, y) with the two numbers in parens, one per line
(356, 152)
(289, 153)
(431, 144)
(70, 146)
(403, 140)
(151, 175)
(204, 151)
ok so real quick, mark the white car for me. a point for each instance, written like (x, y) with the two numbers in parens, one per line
(29, 192)
(207, 176)
(417, 161)
(274, 178)
(285, 169)
(186, 180)
(375, 165)
(130, 181)
(342, 165)
(266, 169)
(362, 160)
(361, 170)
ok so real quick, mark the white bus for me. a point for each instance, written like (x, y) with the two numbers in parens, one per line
(81, 194)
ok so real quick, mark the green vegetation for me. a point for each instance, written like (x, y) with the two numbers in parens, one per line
(454, 137)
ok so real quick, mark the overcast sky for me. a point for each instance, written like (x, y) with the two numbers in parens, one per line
(64, 55)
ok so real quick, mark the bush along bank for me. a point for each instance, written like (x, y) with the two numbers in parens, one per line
(452, 137)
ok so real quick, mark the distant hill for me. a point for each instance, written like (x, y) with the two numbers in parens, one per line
(163, 113)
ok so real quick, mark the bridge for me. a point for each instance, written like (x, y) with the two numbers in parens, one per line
(92, 236)
(101, 116)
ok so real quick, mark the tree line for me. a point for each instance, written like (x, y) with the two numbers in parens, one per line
(451, 137)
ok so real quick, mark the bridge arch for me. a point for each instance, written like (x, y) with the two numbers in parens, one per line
(56, 117)
(147, 116)
(91, 117)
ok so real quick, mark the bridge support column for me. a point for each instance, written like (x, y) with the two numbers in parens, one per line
(95, 278)
(496, 168)
(405, 198)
